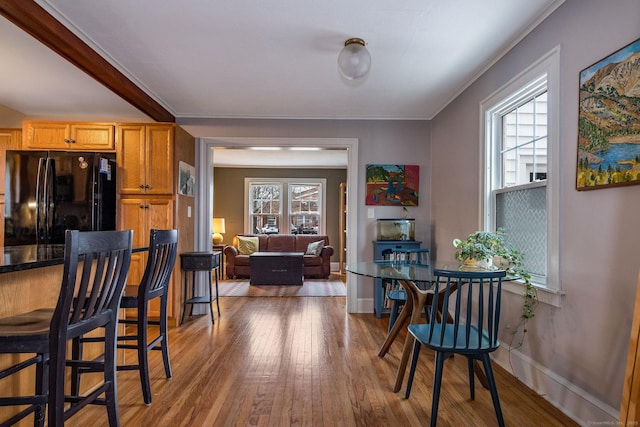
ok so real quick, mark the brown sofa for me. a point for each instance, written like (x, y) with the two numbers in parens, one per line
(313, 265)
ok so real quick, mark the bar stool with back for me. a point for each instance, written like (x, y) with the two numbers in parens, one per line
(163, 247)
(96, 265)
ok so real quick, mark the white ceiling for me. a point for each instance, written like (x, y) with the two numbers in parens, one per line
(272, 58)
(265, 59)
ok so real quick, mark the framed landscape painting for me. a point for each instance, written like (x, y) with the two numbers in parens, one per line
(393, 185)
(609, 121)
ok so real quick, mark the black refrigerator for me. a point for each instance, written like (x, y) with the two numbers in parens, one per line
(47, 192)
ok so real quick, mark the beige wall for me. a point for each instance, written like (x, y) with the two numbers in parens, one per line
(229, 203)
(10, 119)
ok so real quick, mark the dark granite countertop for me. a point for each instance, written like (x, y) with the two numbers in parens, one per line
(26, 257)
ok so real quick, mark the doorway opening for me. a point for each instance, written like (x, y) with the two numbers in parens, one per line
(205, 158)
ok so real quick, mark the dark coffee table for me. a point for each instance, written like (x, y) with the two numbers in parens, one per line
(276, 268)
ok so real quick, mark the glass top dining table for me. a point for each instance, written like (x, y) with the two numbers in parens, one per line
(407, 276)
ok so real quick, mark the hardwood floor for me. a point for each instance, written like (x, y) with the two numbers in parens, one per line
(305, 362)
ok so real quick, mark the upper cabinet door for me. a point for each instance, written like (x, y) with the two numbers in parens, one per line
(45, 135)
(159, 162)
(145, 159)
(131, 158)
(92, 136)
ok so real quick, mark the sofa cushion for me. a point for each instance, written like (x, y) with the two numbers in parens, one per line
(303, 240)
(315, 248)
(281, 243)
(247, 245)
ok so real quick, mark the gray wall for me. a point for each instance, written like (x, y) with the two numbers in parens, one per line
(229, 195)
(580, 347)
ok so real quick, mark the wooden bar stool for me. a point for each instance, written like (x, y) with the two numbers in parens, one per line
(193, 262)
(27, 333)
(163, 247)
(96, 264)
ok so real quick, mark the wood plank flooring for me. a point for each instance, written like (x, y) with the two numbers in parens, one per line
(302, 361)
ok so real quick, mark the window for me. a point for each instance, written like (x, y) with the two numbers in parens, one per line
(265, 210)
(304, 208)
(303, 199)
(520, 164)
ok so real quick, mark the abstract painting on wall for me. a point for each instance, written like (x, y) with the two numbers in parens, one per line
(609, 121)
(393, 185)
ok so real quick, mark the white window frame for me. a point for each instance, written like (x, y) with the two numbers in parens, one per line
(546, 68)
(285, 208)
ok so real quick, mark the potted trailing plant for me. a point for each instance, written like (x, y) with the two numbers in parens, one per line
(486, 248)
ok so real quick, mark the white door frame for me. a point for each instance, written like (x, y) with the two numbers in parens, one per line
(204, 188)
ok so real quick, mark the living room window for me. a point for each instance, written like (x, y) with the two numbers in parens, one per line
(521, 167)
(303, 199)
(265, 207)
(304, 208)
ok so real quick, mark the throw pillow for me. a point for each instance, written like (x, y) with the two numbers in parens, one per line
(247, 245)
(315, 248)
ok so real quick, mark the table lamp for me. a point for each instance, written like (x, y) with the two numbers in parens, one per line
(217, 227)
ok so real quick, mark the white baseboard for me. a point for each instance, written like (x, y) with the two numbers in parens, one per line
(365, 305)
(576, 403)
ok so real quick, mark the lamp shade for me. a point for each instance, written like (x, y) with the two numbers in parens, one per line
(217, 227)
(354, 60)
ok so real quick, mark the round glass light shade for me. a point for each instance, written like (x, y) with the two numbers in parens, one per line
(354, 60)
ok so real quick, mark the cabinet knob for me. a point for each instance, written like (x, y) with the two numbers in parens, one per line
(143, 186)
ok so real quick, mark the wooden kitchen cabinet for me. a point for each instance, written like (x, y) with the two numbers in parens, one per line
(68, 136)
(145, 159)
(141, 215)
(10, 139)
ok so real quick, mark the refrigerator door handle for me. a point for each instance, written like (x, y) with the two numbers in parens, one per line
(40, 200)
(51, 197)
(45, 200)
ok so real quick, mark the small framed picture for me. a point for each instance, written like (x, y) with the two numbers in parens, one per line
(186, 179)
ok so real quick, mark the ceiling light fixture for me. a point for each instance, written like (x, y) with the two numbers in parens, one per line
(354, 60)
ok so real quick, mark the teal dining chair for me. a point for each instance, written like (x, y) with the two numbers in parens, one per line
(472, 330)
(398, 296)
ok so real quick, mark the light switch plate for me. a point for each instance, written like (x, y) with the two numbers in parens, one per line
(371, 213)
(188, 211)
